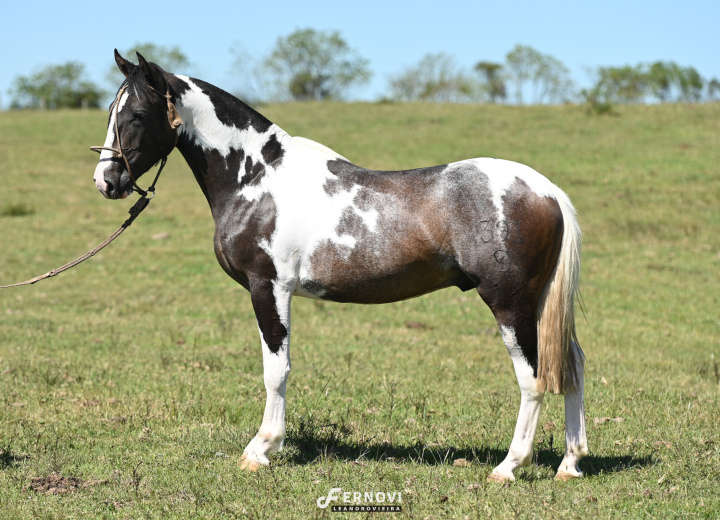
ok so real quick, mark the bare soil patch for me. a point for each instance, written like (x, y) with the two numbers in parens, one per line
(55, 484)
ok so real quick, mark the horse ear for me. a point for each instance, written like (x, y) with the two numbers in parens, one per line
(158, 80)
(124, 65)
(153, 74)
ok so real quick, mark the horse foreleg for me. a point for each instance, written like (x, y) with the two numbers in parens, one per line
(521, 447)
(272, 308)
(575, 436)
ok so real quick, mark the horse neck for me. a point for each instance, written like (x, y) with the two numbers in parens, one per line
(225, 142)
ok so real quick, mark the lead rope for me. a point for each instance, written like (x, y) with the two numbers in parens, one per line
(134, 211)
(137, 208)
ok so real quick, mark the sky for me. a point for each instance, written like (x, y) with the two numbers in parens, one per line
(391, 35)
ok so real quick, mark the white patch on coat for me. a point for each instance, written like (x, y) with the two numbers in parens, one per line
(304, 162)
(99, 175)
(306, 214)
(502, 174)
(202, 123)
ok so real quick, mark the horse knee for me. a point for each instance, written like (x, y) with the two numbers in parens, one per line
(275, 377)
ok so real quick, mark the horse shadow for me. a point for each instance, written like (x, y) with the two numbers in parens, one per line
(8, 459)
(308, 446)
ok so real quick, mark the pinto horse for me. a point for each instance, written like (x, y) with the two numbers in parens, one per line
(292, 217)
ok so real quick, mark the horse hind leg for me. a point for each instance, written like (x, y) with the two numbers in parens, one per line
(576, 445)
(520, 337)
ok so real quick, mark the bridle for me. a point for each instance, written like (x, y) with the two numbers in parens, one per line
(173, 118)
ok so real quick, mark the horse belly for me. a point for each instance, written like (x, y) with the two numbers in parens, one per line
(344, 280)
(380, 268)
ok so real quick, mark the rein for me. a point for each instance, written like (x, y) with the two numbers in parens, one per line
(135, 210)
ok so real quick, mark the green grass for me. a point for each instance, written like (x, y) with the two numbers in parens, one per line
(141, 369)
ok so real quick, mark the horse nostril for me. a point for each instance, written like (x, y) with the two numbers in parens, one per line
(109, 187)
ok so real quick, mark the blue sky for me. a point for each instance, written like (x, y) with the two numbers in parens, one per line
(391, 35)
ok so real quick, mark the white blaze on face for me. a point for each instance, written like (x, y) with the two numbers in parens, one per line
(99, 175)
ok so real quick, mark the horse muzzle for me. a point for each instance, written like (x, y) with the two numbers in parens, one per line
(113, 191)
(111, 183)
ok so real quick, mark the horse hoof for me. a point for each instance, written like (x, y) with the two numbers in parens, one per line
(501, 479)
(248, 465)
(564, 476)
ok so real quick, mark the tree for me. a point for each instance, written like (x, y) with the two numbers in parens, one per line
(668, 81)
(56, 86)
(310, 65)
(691, 84)
(626, 84)
(661, 78)
(520, 62)
(172, 59)
(665, 81)
(713, 89)
(435, 78)
(547, 77)
(494, 80)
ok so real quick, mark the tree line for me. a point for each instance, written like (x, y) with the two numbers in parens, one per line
(310, 65)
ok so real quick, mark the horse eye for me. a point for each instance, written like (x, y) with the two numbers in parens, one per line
(139, 115)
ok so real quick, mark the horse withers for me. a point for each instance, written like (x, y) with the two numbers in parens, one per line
(292, 217)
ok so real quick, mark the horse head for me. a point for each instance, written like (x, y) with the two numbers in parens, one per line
(142, 128)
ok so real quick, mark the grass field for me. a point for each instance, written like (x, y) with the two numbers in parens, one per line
(139, 373)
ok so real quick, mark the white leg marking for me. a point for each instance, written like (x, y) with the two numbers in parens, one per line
(575, 436)
(521, 447)
(276, 369)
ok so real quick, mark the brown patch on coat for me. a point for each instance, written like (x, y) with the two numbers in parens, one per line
(238, 235)
(522, 247)
(536, 247)
(412, 251)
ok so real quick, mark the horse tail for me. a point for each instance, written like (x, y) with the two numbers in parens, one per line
(559, 353)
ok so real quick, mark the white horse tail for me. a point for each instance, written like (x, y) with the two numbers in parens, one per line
(559, 353)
